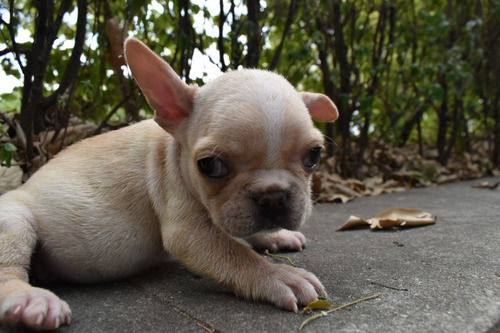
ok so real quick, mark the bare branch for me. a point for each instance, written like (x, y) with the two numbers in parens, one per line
(292, 9)
(12, 33)
(73, 64)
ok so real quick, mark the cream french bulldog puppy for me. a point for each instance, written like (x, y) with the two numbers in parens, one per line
(231, 160)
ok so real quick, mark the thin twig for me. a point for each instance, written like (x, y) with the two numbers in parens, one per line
(110, 114)
(326, 313)
(386, 286)
(280, 257)
(209, 330)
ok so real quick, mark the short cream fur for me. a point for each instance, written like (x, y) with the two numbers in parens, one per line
(232, 159)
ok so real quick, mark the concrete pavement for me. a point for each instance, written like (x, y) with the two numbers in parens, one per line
(450, 270)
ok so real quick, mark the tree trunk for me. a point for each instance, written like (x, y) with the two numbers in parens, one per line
(442, 122)
(253, 33)
(344, 122)
(220, 38)
(34, 105)
(495, 158)
(185, 44)
(286, 29)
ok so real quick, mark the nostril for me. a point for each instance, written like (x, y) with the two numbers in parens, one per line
(272, 199)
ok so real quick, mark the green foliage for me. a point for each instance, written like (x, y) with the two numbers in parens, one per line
(6, 151)
(389, 66)
(10, 102)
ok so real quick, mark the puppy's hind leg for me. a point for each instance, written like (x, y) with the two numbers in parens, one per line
(21, 303)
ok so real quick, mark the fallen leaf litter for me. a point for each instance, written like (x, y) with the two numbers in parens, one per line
(395, 217)
(486, 185)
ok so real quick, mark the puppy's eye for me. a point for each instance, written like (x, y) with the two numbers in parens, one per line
(311, 160)
(212, 167)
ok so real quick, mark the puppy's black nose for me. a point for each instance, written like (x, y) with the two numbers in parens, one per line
(273, 209)
(272, 200)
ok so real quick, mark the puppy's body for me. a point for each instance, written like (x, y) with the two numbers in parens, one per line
(92, 208)
(236, 161)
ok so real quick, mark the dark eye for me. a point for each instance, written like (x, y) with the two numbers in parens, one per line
(212, 167)
(311, 160)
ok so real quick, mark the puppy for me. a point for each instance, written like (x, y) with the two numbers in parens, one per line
(231, 160)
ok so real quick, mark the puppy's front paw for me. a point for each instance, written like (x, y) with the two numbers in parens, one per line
(288, 287)
(282, 240)
(34, 307)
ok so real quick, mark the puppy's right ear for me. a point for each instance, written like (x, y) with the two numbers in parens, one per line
(168, 95)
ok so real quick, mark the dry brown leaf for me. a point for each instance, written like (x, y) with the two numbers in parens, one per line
(331, 188)
(373, 182)
(317, 184)
(486, 185)
(336, 198)
(317, 305)
(405, 217)
(445, 179)
(353, 222)
(395, 217)
(73, 133)
(116, 35)
(346, 191)
(389, 190)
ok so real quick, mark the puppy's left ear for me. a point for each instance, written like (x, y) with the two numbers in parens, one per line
(320, 107)
(168, 95)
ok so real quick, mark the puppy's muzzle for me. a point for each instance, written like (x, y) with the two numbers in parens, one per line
(273, 200)
(274, 209)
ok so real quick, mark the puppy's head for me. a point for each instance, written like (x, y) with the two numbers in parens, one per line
(247, 143)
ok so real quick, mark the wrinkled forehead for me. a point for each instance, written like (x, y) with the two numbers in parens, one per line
(258, 110)
(251, 98)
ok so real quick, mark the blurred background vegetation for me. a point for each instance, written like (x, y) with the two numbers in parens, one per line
(414, 73)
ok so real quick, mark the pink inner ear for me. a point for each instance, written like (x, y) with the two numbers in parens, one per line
(167, 94)
(165, 100)
(320, 107)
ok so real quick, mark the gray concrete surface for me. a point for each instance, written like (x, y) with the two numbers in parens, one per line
(451, 271)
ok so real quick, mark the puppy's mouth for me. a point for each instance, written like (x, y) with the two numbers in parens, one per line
(258, 219)
(273, 210)
(250, 212)
(275, 218)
